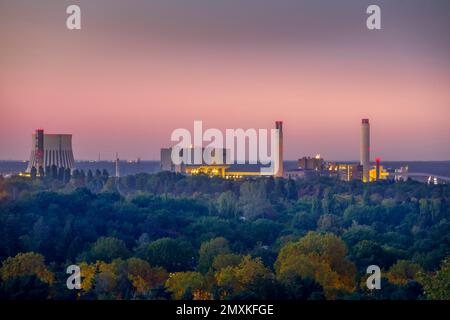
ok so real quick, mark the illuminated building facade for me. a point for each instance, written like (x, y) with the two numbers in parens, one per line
(225, 170)
(345, 171)
(353, 171)
(309, 163)
(167, 164)
(378, 173)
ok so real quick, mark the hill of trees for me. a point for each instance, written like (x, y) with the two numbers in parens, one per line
(169, 236)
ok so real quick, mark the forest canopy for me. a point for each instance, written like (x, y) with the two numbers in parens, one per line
(169, 236)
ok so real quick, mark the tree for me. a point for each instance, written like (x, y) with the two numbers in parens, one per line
(227, 204)
(253, 200)
(89, 176)
(82, 180)
(107, 249)
(143, 276)
(315, 205)
(54, 170)
(280, 188)
(112, 280)
(26, 264)
(209, 250)
(303, 289)
(67, 175)
(88, 273)
(327, 202)
(437, 285)
(61, 173)
(292, 192)
(402, 272)
(329, 223)
(366, 198)
(226, 260)
(33, 173)
(48, 171)
(235, 280)
(367, 252)
(303, 221)
(357, 233)
(25, 287)
(319, 257)
(105, 175)
(265, 231)
(41, 172)
(171, 254)
(182, 285)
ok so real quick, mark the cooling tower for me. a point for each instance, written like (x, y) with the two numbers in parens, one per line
(51, 149)
(365, 149)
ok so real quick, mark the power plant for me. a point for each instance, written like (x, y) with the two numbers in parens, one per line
(365, 150)
(56, 150)
(307, 166)
(227, 169)
(347, 171)
(51, 149)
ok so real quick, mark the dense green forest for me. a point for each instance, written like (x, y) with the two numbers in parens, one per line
(169, 236)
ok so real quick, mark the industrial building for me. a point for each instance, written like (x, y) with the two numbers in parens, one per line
(363, 171)
(225, 169)
(51, 149)
(189, 168)
(307, 166)
(311, 163)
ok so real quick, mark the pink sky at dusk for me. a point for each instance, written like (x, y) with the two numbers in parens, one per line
(126, 89)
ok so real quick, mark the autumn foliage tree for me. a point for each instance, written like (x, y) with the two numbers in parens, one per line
(437, 285)
(113, 279)
(235, 279)
(319, 257)
(183, 285)
(402, 272)
(25, 264)
(209, 250)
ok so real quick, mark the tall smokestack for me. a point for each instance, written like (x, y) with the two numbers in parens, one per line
(279, 126)
(117, 166)
(365, 149)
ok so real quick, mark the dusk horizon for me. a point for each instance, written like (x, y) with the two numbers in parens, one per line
(123, 84)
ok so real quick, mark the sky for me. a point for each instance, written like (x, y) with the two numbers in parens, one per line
(139, 69)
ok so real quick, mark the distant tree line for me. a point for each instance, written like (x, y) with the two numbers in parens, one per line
(170, 236)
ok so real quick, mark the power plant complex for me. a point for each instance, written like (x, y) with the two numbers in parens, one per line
(55, 150)
(307, 166)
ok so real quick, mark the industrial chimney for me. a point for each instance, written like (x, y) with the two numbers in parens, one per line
(280, 171)
(117, 166)
(365, 149)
